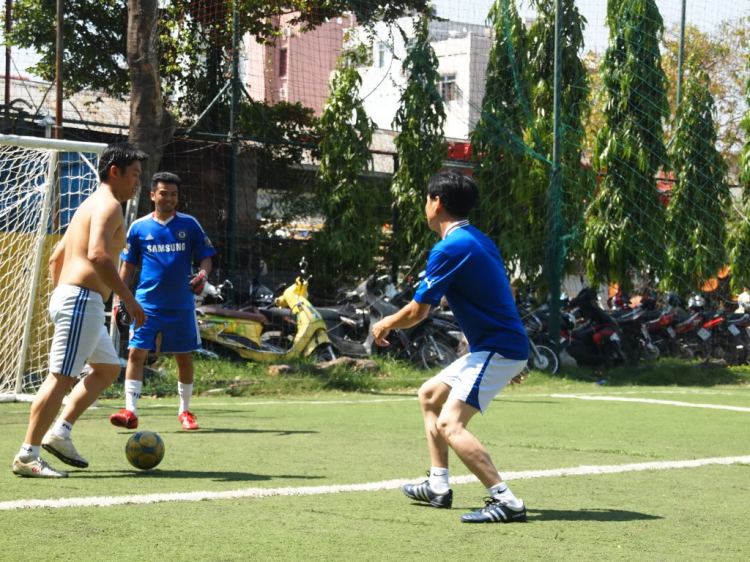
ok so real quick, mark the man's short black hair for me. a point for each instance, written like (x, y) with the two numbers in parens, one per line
(165, 178)
(120, 154)
(458, 192)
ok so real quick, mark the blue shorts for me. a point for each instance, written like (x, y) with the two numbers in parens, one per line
(167, 331)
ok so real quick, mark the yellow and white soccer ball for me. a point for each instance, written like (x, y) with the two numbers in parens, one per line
(144, 450)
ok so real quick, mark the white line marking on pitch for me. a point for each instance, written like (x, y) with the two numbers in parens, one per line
(369, 487)
(652, 401)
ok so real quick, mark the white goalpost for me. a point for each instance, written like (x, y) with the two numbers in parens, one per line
(42, 183)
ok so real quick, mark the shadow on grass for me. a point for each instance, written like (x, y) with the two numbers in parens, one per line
(662, 373)
(212, 430)
(215, 476)
(588, 515)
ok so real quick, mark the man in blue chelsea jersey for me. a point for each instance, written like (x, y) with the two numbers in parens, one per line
(164, 244)
(464, 266)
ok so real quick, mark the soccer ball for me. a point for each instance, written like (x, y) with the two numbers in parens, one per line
(144, 450)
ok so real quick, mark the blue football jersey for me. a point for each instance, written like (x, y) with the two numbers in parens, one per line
(166, 251)
(466, 268)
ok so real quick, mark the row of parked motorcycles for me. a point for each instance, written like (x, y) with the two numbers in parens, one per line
(626, 334)
(264, 325)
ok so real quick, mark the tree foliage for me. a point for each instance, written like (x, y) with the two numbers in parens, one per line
(695, 217)
(624, 230)
(578, 181)
(420, 144)
(739, 238)
(497, 140)
(721, 52)
(349, 240)
(195, 39)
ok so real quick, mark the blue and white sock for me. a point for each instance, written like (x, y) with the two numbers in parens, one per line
(185, 391)
(132, 394)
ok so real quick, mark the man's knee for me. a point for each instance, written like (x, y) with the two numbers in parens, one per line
(447, 427)
(137, 356)
(108, 372)
(184, 359)
(433, 394)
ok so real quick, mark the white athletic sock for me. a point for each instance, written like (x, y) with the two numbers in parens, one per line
(132, 394)
(27, 449)
(439, 480)
(62, 428)
(502, 492)
(185, 391)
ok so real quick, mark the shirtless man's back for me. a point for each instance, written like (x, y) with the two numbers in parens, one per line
(84, 274)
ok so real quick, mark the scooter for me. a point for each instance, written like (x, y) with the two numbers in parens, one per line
(246, 333)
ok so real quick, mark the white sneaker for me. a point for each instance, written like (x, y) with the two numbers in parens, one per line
(35, 467)
(64, 450)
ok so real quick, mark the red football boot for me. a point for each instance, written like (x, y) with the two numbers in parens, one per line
(188, 421)
(124, 418)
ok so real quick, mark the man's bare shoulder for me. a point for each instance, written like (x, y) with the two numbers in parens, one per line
(104, 204)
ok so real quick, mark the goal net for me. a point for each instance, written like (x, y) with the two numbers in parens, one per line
(42, 183)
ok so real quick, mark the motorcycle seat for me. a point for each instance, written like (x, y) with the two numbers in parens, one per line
(229, 313)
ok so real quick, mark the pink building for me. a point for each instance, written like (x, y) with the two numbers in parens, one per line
(298, 66)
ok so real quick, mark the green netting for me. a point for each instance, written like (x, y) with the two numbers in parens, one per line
(321, 141)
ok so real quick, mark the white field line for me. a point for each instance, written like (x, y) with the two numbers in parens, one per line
(369, 487)
(652, 401)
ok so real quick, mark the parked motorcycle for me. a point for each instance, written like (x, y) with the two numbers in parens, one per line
(350, 324)
(247, 333)
(598, 342)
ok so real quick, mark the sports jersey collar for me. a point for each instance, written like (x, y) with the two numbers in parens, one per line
(455, 226)
(161, 222)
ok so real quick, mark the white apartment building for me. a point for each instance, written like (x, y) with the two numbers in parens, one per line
(463, 53)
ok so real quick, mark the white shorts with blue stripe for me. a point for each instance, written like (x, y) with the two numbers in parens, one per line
(476, 378)
(80, 335)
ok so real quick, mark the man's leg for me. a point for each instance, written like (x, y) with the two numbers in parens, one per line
(127, 417)
(436, 489)
(504, 507)
(451, 424)
(88, 390)
(46, 404)
(432, 396)
(57, 441)
(185, 378)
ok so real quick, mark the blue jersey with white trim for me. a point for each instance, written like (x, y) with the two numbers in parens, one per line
(166, 250)
(466, 268)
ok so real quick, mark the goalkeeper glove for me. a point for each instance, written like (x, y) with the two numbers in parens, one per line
(122, 318)
(198, 282)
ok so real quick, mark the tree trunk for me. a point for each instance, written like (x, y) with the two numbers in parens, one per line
(151, 126)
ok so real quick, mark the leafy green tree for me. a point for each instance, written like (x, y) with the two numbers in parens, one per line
(420, 144)
(625, 221)
(578, 181)
(721, 51)
(497, 140)
(695, 217)
(350, 238)
(194, 38)
(739, 237)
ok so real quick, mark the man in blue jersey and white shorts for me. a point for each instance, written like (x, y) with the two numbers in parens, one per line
(164, 244)
(465, 266)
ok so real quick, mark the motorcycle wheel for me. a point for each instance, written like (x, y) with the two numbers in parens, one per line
(432, 353)
(325, 353)
(542, 358)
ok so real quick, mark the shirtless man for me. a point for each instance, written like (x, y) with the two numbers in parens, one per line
(84, 274)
